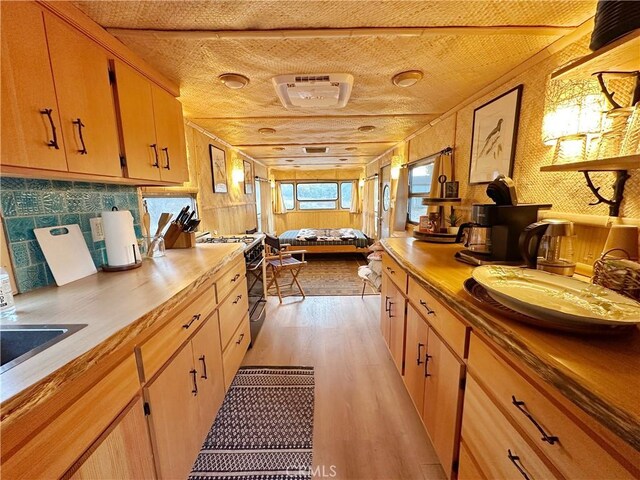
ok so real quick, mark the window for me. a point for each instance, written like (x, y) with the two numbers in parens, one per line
(287, 195)
(173, 204)
(317, 196)
(258, 205)
(345, 195)
(419, 187)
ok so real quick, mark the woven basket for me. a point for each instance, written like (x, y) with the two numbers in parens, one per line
(619, 275)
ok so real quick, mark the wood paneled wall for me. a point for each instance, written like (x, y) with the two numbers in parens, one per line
(295, 220)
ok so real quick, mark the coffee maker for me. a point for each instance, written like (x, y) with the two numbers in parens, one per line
(494, 232)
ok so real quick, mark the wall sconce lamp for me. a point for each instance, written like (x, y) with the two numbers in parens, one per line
(237, 173)
(396, 162)
(572, 119)
(361, 182)
(272, 182)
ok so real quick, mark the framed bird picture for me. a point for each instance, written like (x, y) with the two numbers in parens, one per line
(493, 140)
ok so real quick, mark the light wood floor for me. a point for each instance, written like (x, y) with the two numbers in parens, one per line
(365, 424)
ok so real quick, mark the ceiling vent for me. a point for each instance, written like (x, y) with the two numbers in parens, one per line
(330, 90)
(316, 150)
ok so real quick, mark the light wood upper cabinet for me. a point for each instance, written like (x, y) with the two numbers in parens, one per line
(124, 452)
(31, 128)
(87, 110)
(170, 136)
(174, 417)
(137, 124)
(415, 356)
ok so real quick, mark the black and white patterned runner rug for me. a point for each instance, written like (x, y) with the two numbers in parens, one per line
(264, 429)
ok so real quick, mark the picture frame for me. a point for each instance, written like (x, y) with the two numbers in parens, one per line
(248, 177)
(493, 137)
(218, 159)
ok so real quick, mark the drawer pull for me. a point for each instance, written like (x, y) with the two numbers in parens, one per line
(418, 361)
(238, 298)
(426, 365)
(429, 311)
(193, 319)
(515, 460)
(391, 270)
(235, 278)
(389, 311)
(519, 404)
(387, 308)
(195, 382)
(54, 141)
(240, 339)
(204, 367)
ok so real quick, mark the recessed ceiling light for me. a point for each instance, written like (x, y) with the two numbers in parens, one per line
(351, 149)
(234, 81)
(296, 166)
(343, 159)
(289, 160)
(267, 131)
(407, 79)
(279, 149)
(366, 128)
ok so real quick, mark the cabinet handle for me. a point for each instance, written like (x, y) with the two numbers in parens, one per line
(54, 141)
(240, 339)
(391, 270)
(418, 361)
(193, 319)
(389, 311)
(429, 311)
(204, 367)
(515, 460)
(166, 152)
(195, 381)
(155, 151)
(426, 365)
(235, 278)
(237, 299)
(387, 307)
(519, 404)
(83, 150)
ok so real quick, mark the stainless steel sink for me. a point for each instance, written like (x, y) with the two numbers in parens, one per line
(19, 342)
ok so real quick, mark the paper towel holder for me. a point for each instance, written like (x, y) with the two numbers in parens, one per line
(122, 268)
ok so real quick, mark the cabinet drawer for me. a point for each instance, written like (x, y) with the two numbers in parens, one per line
(232, 311)
(230, 279)
(574, 452)
(395, 271)
(234, 353)
(57, 445)
(492, 443)
(448, 326)
(165, 342)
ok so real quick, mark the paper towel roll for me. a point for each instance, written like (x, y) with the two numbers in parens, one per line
(120, 238)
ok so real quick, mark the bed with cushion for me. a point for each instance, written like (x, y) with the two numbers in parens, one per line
(327, 240)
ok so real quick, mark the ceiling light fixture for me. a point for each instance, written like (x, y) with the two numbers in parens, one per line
(366, 128)
(235, 81)
(351, 149)
(267, 131)
(407, 79)
(343, 159)
(289, 160)
(278, 149)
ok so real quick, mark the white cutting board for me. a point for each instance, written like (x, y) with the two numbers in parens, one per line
(66, 252)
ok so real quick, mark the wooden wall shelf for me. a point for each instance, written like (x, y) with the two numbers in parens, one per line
(619, 55)
(629, 162)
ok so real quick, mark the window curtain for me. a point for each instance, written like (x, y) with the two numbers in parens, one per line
(367, 208)
(402, 201)
(355, 197)
(265, 207)
(278, 203)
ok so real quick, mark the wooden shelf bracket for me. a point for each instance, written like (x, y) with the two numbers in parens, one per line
(618, 191)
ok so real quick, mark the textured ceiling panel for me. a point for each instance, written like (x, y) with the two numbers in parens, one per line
(277, 14)
(335, 150)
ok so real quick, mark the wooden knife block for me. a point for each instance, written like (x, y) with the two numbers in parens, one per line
(184, 240)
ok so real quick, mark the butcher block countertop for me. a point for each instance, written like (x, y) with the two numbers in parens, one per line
(601, 375)
(117, 307)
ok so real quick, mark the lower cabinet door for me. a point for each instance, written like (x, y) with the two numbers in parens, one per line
(397, 317)
(234, 352)
(492, 445)
(442, 400)
(207, 357)
(384, 310)
(414, 358)
(174, 417)
(124, 452)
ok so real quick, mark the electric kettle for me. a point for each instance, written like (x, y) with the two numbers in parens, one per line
(548, 246)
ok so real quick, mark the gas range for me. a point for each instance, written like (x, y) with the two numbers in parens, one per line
(249, 240)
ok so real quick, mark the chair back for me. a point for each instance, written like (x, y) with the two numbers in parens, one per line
(272, 242)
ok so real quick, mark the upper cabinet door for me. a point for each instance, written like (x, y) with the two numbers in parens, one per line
(170, 136)
(81, 75)
(135, 107)
(31, 133)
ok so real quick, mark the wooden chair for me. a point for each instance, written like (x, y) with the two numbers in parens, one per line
(280, 259)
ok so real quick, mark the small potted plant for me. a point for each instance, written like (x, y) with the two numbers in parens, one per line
(453, 220)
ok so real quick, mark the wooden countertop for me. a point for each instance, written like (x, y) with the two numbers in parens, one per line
(116, 307)
(599, 375)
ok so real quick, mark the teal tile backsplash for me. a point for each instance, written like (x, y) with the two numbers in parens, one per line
(27, 204)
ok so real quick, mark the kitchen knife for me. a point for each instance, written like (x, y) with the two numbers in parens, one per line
(193, 224)
(182, 215)
(188, 220)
